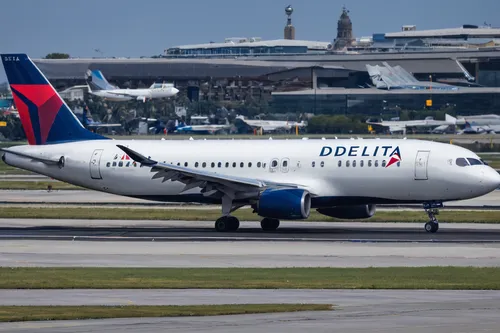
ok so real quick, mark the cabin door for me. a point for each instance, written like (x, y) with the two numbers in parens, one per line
(421, 165)
(95, 161)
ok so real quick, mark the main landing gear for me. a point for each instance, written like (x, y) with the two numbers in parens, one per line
(432, 210)
(230, 223)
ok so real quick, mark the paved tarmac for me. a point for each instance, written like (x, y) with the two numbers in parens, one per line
(147, 230)
(355, 311)
(99, 198)
(23, 253)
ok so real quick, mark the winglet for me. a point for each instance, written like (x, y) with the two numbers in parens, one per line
(143, 160)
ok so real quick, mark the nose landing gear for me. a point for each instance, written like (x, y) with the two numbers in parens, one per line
(431, 208)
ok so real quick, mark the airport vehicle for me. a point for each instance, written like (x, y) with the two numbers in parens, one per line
(99, 86)
(279, 179)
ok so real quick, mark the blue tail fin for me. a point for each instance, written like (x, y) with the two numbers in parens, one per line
(99, 82)
(45, 116)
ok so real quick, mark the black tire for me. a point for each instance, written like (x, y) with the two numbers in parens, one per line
(431, 227)
(221, 224)
(268, 224)
(233, 223)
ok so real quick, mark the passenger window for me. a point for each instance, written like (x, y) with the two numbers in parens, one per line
(186, 164)
(376, 163)
(274, 163)
(461, 162)
(128, 164)
(264, 165)
(242, 164)
(258, 164)
(178, 163)
(322, 163)
(219, 165)
(383, 163)
(196, 164)
(399, 164)
(369, 163)
(474, 161)
(234, 164)
(354, 163)
(361, 163)
(348, 163)
(313, 164)
(204, 164)
(285, 164)
(227, 164)
(114, 164)
(120, 164)
(249, 164)
(213, 165)
(108, 164)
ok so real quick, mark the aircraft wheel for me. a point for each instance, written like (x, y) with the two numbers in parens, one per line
(227, 223)
(431, 227)
(268, 224)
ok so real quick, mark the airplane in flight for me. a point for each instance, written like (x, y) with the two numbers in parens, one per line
(279, 179)
(99, 86)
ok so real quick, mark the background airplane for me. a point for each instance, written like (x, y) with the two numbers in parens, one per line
(480, 124)
(99, 86)
(204, 128)
(268, 126)
(402, 126)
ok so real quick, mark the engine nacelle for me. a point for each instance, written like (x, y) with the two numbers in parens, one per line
(285, 204)
(349, 212)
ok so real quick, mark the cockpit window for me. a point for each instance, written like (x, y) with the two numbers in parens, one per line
(474, 161)
(461, 162)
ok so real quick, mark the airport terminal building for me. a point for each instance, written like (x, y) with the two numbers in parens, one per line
(317, 77)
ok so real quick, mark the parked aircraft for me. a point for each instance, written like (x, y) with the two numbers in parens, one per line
(99, 86)
(279, 179)
(204, 128)
(402, 126)
(486, 123)
(271, 125)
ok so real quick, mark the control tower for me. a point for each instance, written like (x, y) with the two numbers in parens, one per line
(344, 31)
(289, 28)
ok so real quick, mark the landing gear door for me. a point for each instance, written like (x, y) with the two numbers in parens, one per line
(421, 165)
(95, 161)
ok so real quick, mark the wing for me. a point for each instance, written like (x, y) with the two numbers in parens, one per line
(211, 183)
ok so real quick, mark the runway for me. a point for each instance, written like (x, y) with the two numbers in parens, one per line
(88, 197)
(356, 311)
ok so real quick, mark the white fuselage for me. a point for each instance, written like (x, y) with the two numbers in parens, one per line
(130, 94)
(98, 165)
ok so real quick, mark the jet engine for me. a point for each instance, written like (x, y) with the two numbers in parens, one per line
(285, 204)
(349, 212)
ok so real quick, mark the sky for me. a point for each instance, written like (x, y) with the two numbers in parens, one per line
(131, 28)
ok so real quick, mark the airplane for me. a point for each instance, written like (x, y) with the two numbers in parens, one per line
(88, 122)
(401, 126)
(270, 125)
(481, 124)
(204, 128)
(279, 179)
(99, 86)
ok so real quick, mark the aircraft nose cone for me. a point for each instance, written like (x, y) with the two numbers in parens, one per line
(491, 179)
(175, 91)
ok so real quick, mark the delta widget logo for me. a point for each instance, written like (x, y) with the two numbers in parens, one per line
(395, 157)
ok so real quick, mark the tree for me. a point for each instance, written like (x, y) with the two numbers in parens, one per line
(57, 55)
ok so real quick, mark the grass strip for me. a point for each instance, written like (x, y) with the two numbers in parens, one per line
(37, 313)
(242, 214)
(472, 278)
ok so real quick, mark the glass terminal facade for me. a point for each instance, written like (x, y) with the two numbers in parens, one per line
(377, 104)
(238, 50)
